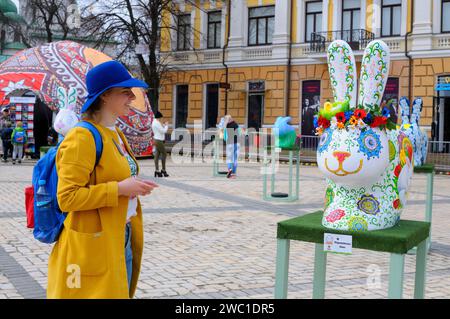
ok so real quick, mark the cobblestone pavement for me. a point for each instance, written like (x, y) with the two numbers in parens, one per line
(209, 237)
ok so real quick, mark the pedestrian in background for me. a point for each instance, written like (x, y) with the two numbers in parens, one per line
(6, 133)
(19, 139)
(231, 135)
(5, 117)
(159, 136)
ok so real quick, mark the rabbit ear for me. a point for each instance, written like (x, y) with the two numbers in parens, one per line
(404, 108)
(374, 74)
(342, 70)
(62, 97)
(72, 99)
(416, 110)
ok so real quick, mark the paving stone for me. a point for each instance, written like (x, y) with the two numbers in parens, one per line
(209, 237)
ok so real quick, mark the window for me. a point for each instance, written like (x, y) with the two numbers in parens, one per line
(212, 105)
(313, 19)
(183, 32)
(214, 29)
(391, 15)
(351, 13)
(255, 112)
(261, 25)
(182, 99)
(445, 16)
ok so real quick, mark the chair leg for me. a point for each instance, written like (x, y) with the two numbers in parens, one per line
(421, 260)
(320, 269)
(429, 204)
(396, 276)
(282, 269)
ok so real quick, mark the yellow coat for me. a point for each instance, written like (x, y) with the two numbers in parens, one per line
(88, 260)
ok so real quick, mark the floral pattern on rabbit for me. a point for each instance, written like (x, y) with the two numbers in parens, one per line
(420, 137)
(366, 159)
(410, 123)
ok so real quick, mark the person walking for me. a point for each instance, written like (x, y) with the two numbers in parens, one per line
(6, 133)
(159, 136)
(19, 139)
(99, 251)
(5, 118)
(231, 134)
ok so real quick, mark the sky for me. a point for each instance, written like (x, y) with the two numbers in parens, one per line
(16, 2)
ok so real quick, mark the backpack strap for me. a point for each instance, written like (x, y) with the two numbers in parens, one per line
(97, 138)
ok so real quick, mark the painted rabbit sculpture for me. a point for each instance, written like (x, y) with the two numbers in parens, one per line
(66, 117)
(367, 160)
(287, 136)
(418, 138)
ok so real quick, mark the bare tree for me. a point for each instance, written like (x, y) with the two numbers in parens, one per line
(137, 26)
(45, 21)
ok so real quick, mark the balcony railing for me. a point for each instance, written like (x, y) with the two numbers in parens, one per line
(356, 38)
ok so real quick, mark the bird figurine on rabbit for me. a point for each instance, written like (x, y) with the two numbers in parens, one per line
(287, 137)
(66, 117)
(366, 158)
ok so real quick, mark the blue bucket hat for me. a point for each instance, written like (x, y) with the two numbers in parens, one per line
(108, 75)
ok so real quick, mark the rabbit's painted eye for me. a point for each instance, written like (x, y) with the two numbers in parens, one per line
(325, 140)
(369, 143)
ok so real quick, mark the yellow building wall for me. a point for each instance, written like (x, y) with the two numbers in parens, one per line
(330, 15)
(255, 3)
(369, 15)
(197, 26)
(166, 43)
(237, 96)
(424, 78)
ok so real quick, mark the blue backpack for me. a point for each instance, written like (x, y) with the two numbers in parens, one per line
(19, 137)
(47, 227)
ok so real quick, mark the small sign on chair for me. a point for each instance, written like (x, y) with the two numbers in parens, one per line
(338, 244)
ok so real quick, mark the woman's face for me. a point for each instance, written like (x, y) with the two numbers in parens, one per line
(118, 100)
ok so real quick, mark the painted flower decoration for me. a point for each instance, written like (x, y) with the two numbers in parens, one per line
(396, 203)
(340, 117)
(357, 223)
(353, 120)
(325, 140)
(369, 143)
(335, 215)
(324, 122)
(360, 113)
(397, 170)
(329, 196)
(369, 204)
(368, 119)
(348, 115)
(378, 121)
(392, 151)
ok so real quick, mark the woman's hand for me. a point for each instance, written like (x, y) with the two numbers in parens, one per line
(132, 187)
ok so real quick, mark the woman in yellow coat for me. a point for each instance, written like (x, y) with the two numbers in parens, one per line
(99, 251)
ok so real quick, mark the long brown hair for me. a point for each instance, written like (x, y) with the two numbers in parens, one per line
(92, 110)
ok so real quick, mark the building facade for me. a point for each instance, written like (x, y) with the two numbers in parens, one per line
(260, 59)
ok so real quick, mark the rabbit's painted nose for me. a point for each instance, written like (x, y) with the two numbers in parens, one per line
(341, 156)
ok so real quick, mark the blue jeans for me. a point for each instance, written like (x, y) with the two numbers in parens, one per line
(128, 253)
(232, 151)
